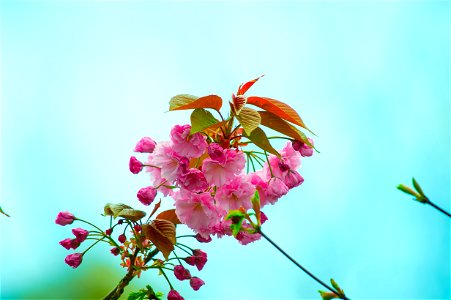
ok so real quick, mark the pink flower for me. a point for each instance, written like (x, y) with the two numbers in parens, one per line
(199, 259)
(276, 189)
(193, 180)
(293, 179)
(147, 195)
(290, 156)
(159, 181)
(197, 211)
(185, 144)
(196, 283)
(174, 295)
(302, 147)
(80, 234)
(170, 163)
(202, 239)
(222, 228)
(115, 251)
(135, 165)
(216, 152)
(145, 145)
(245, 238)
(181, 273)
(70, 243)
(74, 260)
(256, 178)
(235, 194)
(122, 238)
(219, 172)
(64, 218)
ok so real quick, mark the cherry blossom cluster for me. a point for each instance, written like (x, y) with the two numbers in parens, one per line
(208, 180)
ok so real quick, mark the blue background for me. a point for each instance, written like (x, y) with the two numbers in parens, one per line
(82, 82)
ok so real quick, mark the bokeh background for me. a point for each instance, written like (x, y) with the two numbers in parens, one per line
(83, 81)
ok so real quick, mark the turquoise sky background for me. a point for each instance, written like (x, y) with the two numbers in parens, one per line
(83, 81)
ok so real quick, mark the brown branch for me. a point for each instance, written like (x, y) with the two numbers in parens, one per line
(119, 289)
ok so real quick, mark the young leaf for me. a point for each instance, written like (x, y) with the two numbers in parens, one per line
(337, 288)
(170, 216)
(327, 295)
(201, 119)
(162, 234)
(278, 108)
(245, 86)
(272, 121)
(132, 214)
(256, 206)
(185, 101)
(259, 138)
(249, 119)
(418, 187)
(1, 211)
(114, 209)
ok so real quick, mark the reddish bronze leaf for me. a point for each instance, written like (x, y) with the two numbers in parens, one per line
(170, 216)
(162, 234)
(278, 108)
(245, 86)
(185, 101)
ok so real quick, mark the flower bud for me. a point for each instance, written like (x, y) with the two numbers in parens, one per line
(122, 238)
(174, 295)
(145, 145)
(196, 283)
(147, 195)
(115, 251)
(67, 243)
(181, 273)
(74, 260)
(109, 231)
(135, 165)
(64, 218)
(80, 234)
(200, 238)
(137, 227)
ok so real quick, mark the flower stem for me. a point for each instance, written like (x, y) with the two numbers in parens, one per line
(438, 208)
(301, 267)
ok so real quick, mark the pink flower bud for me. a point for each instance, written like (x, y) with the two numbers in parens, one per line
(122, 238)
(199, 259)
(137, 228)
(147, 195)
(115, 251)
(109, 231)
(196, 283)
(74, 260)
(67, 243)
(263, 217)
(293, 179)
(181, 273)
(64, 218)
(145, 145)
(135, 165)
(80, 234)
(302, 147)
(200, 238)
(120, 221)
(174, 295)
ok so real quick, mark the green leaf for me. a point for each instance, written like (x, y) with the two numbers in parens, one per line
(237, 218)
(259, 138)
(137, 295)
(327, 295)
(132, 214)
(185, 101)
(407, 190)
(275, 122)
(201, 119)
(249, 119)
(418, 187)
(114, 209)
(256, 206)
(1, 211)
